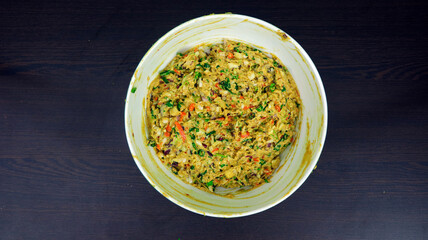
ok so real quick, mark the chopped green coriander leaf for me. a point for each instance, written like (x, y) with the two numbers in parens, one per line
(272, 87)
(133, 89)
(220, 155)
(206, 65)
(259, 108)
(197, 75)
(164, 79)
(152, 143)
(165, 73)
(194, 146)
(210, 183)
(192, 167)
(283, 89)
(210, 133)
(169, 103)
(201, 152)
(179, 104)
(153, 116)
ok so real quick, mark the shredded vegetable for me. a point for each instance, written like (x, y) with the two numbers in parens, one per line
(221, 114)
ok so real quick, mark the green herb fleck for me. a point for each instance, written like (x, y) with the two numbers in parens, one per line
(193, 129)
(164, 79)
(210, 183)
(210, 133)
(272, 87)
(133, 89)
(226, 85)
(151, 143)
(201, 152)
(179, 104)
(169, 103)
(220, 155)
(165, 73)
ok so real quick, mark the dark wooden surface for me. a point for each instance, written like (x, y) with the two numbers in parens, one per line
(65, 168)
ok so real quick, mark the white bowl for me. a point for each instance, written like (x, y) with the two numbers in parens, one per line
(299, 159)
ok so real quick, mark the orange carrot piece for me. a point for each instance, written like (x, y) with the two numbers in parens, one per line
(181, 131)
(183, 114)
(192, 107)
(244, 135)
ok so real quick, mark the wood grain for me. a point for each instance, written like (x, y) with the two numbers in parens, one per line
(65, 168)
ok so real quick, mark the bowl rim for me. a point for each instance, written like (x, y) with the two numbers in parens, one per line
(321, 91)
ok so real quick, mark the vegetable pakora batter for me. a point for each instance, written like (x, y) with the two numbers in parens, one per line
(221, 114)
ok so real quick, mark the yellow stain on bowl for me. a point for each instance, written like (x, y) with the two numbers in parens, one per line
(282, 35)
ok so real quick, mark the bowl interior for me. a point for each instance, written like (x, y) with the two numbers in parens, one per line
(298, 160)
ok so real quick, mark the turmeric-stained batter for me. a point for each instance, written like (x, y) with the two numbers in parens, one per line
(221, 115)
